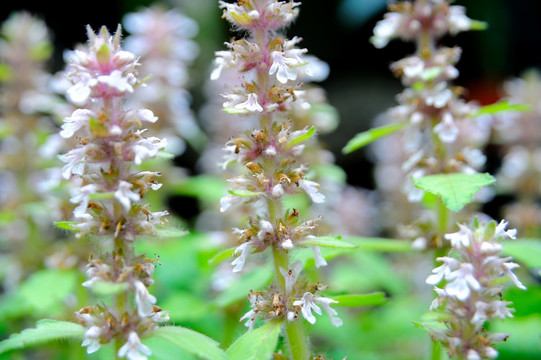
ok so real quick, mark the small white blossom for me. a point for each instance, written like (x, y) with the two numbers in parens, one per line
(116, 81)
(92, 339)
(319, 260)
(133, 349)
(238, 263)
(125, 196)
(312, 189)
(143, 299)
(447, 130)
(281, 66)
(251, 104)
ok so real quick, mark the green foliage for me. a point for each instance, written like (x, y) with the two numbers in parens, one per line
(456, 189)
(524, 251)
(203, 187)
(256, 279)
(258, 344)
(170, 232)
(328, 241)
(379, 244)
(357, 300)
(502, 106)
(301, 138)
(45, 331)
(37, 295)
(186, 340)
(369, 136)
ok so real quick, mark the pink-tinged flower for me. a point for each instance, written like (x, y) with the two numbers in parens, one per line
(117, 82)
(312, 189)
(282, 66)
(291, 275)
(462, 282)
(77, 121)
(461, 239)
(251, 104)
(92, 339)
(133, 349)
(75, 161)
(146, 148)
(442, 271)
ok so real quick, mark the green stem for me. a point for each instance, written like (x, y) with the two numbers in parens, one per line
(436, 350)
(297, 340)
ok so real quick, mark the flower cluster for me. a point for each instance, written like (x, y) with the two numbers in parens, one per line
(297, 298)
(163, 40)
(517, 136)
(109, 190)
(27, 151)
(471, 293)
(266, 71)
(445, 134)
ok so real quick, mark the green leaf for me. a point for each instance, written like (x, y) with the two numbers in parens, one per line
(301, 138)
(524, 251)
(170, 232)
(66, 225)
(107, 288)
(478, 25)
(380, 244)
(6, 217)
(256, 279)
(101, 196)
(502, 106)
(190, 341)
(356, 300)
(372, 135)
(457, 189)
(45, 331)
(204, 187)
(222, 255)
(5, 72)
(258, 344)
(328, 241)
(244, 193)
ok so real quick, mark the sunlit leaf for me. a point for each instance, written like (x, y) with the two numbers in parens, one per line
(369, 136)
(379, 244)
(204, 187)
(239, 289)
(244, 193)
(66, 225)
(222, 255)
(45, 331)
(190, 341)
(525, 251)
(170, 232)
(457, 189)
(258, 344)
(357, 300)
(328, 241)
(502, 106)
(301, 138)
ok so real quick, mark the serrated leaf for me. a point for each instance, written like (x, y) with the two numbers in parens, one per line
(357, 300)
(380, 244)
(258, 344)
(45, 331)
(328, 241)
(170, 232)
(369, 136)
(502, 106)
(456, 190)
(190, 341)
(301, 138)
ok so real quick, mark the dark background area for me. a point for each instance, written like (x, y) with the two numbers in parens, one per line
(360, 84)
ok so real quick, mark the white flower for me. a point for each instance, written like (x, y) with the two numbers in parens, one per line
(386, 29)
(92, 339)
(223, 59)
(462, 282)
(291, 275)
(442, 271)
(74, 160)
(287, 244)
(227, 201)
(250, 319)
(446, 129)
(508, 270)
(308, 304)
(133, 348)
(277, 190)
(146, 148)
(238, 263)
(251, 104)
(280, 66)
(125, 196)
(79, 93)
(312, 189)
(265, 227)
(318, 258)
(143, 299)
(457, 19)
(461, 239)
(82, 198)
(79, 119)
(116, 81)
(500, 230)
